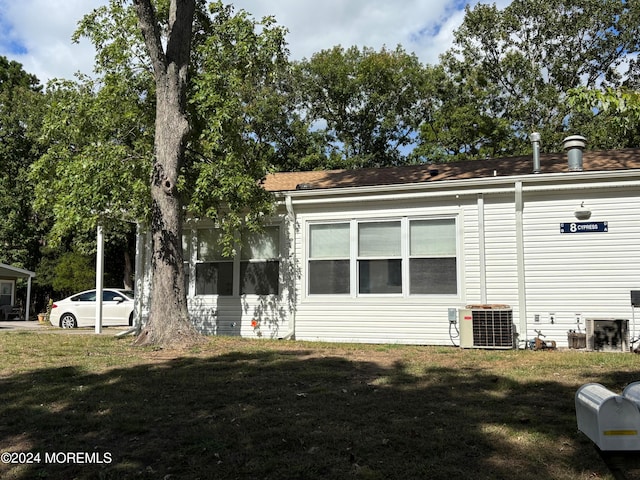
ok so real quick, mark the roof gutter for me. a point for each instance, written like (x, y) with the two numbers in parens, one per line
(522, 286)
(506, 186)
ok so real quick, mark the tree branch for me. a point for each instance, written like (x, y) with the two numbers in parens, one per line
(180, 26)
(151, 33)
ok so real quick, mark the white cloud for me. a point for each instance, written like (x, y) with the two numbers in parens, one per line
(43, 30)
(373, 23)
(424, 27)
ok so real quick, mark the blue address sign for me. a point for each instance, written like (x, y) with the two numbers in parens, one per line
(584, 227)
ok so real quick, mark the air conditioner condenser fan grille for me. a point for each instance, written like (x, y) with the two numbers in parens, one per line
(493, 328)
(487, 326)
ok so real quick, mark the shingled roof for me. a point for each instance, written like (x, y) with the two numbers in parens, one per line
(601, 160)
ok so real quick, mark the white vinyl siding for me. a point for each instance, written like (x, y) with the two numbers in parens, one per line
(501, 252)
(575, 276)
(260, 265)
(473, 237)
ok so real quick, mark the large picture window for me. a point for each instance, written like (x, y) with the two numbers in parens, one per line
(329, 263)
(391, 257)
(254, 271)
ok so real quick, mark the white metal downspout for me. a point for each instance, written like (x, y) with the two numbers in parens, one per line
(522, 293)
(291, 218)
(481, 248)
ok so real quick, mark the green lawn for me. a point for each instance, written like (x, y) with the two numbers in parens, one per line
(94, 407)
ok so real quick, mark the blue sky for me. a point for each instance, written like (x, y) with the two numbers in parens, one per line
(37, 33)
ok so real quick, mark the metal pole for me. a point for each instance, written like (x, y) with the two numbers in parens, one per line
(26, 310)
(99, 278)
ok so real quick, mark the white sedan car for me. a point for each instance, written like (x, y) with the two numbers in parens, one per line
(79, 310)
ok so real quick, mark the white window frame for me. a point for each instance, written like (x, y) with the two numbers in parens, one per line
(348, 258)
(405, 256)
(192, 260)
(366, 258)
(410, 256)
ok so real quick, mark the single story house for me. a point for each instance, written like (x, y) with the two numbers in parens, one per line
(478, 253)
(8, 277)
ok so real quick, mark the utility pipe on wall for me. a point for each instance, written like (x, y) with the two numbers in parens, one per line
(291, 218)
(482, 250)
(522, 284)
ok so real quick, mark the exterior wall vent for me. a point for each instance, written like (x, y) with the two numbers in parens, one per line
(574, 145)
(535, 143)
(486, 326)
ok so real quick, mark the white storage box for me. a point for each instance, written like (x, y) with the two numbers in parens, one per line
(611, 421)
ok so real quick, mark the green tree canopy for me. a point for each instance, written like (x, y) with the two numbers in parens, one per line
(99, 131)
(616, 112)
(368, 104)
(510, 71)
(236, 106)
(179, 118)
(21, 102)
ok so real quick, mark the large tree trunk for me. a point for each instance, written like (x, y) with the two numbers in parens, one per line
(168, 322)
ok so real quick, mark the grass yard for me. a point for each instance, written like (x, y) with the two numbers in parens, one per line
(94, 407)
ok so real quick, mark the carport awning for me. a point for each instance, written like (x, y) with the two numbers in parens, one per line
(7, 271)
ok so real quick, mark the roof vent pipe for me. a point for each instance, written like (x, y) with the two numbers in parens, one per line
(535, 142)
(574, 145)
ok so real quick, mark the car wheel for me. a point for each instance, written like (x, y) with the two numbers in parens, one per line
(131, 320)
(68, 321)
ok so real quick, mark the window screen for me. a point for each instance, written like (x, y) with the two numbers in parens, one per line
(329, 264)
(260, 263)
(432, 264)
(379, 257)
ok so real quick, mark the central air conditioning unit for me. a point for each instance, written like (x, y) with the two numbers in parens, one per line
(607, 334)
(486, 326)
